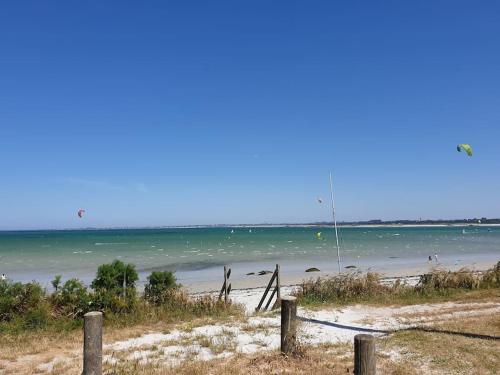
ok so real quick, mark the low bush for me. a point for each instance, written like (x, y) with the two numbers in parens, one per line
(112, 277)
(72, 300)
(109, 292)
(159, 287)
(18, 299)
(109, 301)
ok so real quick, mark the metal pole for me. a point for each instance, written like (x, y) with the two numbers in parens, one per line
(335, 221)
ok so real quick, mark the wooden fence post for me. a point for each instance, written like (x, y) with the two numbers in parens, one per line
(288, 324)
(364, 355)
(278, 284)
(225, 284)
(92, 343)
(276, 291)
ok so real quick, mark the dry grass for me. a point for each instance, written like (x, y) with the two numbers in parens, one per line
(311, 361)
(444, 312)
(437, 286)
(483, 325)
(23, 353)
(447, 354)
(406, 352)
(442, 353)
(321, 360)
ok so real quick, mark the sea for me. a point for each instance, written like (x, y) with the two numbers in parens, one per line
(197, 255)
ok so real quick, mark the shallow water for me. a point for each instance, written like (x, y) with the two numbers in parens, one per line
(195, 253)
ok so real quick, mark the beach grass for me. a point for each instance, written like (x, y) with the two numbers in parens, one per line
(437, 286)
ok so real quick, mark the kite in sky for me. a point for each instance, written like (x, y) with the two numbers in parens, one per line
(465, 147)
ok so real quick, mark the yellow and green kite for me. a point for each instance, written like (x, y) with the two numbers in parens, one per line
(465, 147)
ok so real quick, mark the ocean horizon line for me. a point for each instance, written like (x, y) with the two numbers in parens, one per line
(402, 223)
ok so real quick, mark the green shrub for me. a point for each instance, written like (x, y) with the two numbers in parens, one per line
(38, 317)
(110, 277)
(73, 299)
(110, 301)
(109, 294)
(18, 299)
(158, 287)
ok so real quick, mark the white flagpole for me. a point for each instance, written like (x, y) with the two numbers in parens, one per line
(335, 221)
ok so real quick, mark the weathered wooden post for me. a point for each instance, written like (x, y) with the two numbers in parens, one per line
(288, 324)
(225, 284)
(92, 343)
(364, 355)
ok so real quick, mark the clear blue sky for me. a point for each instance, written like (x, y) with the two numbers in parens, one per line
(155, 113)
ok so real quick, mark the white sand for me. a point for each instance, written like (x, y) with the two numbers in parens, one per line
(262, 332)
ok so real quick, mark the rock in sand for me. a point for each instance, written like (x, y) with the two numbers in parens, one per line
(264, 272)
(312, 269)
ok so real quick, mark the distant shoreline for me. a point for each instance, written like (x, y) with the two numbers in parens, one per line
(312, 225)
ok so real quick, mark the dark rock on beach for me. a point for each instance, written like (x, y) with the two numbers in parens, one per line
(313, 269)
(264, 272)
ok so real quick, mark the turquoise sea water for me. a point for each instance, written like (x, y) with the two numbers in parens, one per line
(39, 255)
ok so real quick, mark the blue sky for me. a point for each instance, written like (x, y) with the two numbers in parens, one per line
(164, 113)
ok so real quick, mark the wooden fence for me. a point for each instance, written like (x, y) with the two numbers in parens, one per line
(276, 291)
(364, 345)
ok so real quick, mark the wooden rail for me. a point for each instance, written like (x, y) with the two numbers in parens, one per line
(276, 291)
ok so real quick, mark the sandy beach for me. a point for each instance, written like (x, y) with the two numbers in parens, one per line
(294, 275)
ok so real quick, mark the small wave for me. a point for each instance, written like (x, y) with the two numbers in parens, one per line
(110, 243)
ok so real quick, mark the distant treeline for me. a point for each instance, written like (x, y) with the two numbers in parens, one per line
(482, 220)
